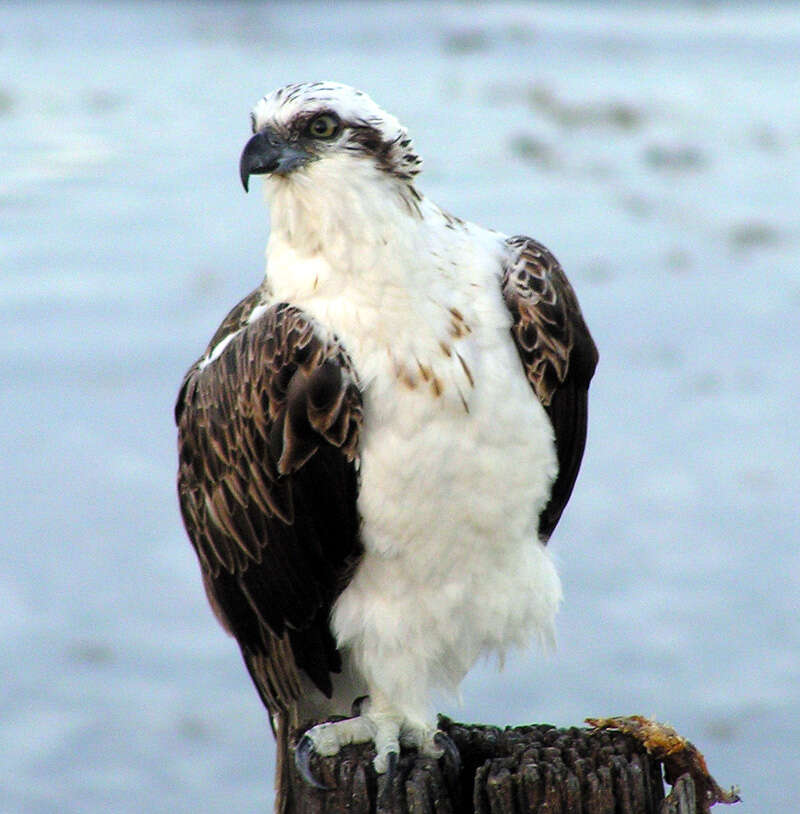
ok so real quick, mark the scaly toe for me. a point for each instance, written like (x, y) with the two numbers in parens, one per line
(387, 741)
(387, 731)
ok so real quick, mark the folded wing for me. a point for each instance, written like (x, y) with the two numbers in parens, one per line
(557, 354)
(268, 481)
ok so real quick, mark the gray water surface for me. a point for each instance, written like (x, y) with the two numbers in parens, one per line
(657, 152)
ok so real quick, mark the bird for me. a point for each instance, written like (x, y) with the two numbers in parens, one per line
(378, 441)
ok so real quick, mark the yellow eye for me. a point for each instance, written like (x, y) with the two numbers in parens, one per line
(324, 126)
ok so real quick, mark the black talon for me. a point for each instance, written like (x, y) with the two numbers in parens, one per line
(386, 786)
(451, 753)
(302, 762)
(392, 762)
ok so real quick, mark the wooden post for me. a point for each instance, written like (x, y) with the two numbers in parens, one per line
(519, 770)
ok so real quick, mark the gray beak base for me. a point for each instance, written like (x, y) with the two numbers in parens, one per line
(266, 153)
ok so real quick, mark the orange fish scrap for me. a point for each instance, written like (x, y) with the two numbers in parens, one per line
(678, 755)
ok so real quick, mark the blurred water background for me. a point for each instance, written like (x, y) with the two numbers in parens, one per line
(655, 149)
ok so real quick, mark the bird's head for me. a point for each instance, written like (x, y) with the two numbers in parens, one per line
(316, 132)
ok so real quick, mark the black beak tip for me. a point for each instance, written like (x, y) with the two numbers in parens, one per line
(250, 160)
(264, 154)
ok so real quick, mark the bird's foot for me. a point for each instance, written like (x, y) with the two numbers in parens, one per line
(387, 731)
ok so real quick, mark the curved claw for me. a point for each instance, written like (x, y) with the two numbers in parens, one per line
(302, 761)
(451, 753)
(392, 762)
(386, 794)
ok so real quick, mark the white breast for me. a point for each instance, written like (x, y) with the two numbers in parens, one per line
(457, 461)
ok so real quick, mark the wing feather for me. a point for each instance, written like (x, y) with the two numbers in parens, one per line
(268, 442)
(557, 353)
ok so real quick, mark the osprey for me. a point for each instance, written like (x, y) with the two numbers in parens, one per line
(379, 440)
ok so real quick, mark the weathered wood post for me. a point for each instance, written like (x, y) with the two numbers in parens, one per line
(610, 768)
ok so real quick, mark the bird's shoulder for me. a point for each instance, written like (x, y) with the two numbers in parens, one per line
(549, 330)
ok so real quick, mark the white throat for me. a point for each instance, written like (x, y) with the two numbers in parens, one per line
(342, 209)
(384, 269)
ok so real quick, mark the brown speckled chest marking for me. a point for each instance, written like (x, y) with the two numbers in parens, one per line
(459, 327)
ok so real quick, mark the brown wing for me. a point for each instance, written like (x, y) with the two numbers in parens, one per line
(557, 353)
(267, 480)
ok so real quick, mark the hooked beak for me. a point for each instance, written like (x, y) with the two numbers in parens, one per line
(267, 152)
